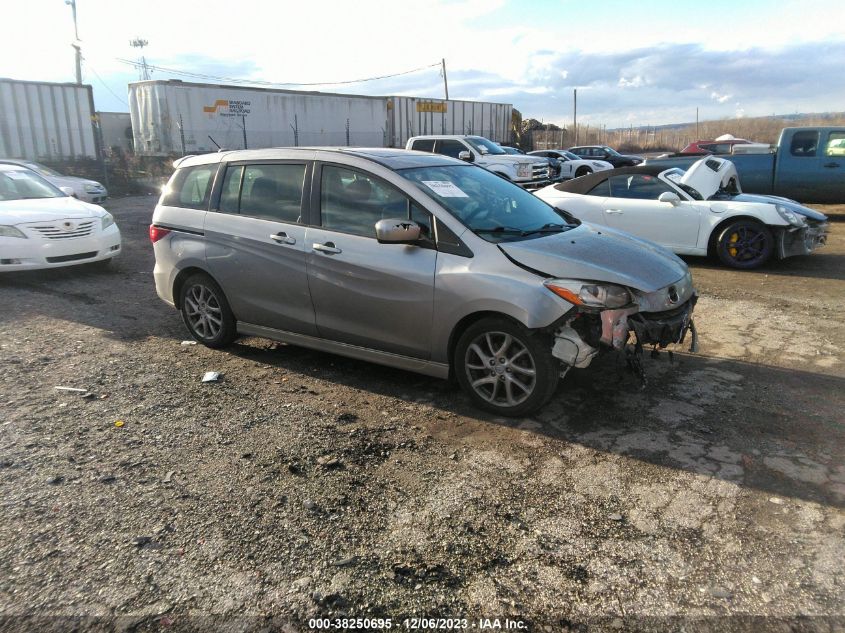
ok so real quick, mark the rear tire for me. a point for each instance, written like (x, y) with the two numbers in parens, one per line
(504, 368)
(745, 244)
(206, 311)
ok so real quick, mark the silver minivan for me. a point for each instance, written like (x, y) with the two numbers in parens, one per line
(409, 259)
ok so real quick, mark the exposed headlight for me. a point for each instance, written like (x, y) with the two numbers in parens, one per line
(523, 170)
(107, 220)
(589, 294)
(599, 165)
(10, 231)
(95, 188)
(790, 216)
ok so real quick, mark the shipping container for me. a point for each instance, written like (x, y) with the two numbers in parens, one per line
(411, 116)
(116, 130)
(176, 117)
(46, 121)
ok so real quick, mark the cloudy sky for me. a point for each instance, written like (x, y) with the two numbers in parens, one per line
(640, 63)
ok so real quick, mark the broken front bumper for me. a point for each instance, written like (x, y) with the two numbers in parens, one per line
(802, 241)
(659, 329)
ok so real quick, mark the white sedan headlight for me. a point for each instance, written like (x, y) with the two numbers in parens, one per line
(789, 216)
(93, 188)
(11, 231)
(107, 220)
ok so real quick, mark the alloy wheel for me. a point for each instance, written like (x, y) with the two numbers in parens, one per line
(203, 311)
(500, 369)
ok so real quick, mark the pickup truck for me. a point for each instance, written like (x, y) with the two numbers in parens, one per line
(530, 172)
(807, 164)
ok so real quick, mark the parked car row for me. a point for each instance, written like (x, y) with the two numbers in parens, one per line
(42, 226)
(439, 264)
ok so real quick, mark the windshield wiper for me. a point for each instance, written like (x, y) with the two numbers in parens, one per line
(548, 228)
(507, 230)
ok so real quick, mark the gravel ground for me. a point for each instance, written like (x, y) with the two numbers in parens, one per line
(306, 485)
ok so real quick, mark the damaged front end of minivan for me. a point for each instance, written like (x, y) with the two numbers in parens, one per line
(609, 317)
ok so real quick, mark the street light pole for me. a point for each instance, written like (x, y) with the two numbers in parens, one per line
(77, 48)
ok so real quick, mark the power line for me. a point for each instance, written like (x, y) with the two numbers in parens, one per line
(185, 73)
(105, 85)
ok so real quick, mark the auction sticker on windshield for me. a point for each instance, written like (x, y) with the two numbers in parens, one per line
(445, 189)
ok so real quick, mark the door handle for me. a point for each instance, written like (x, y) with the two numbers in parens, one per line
(282, 238)
(613, 211)
(831, 165)
(328, 248)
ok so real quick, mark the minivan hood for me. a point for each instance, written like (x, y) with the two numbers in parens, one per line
(597, 253)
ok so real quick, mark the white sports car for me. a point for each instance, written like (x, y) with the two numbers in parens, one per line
(572, 165)
(700, 211)
(42, 226)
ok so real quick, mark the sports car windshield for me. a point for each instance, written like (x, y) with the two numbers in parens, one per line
(490, 206)
(571, 156)
(23, 184)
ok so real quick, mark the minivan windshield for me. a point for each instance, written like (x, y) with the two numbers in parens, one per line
(490, 206)
(483, 146)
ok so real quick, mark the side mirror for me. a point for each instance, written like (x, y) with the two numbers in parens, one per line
(672, 198)
(467, 156)
(397, 231)
(68, 191)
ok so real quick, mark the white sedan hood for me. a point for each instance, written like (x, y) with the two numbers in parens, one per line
(709, 175)
(46, 210)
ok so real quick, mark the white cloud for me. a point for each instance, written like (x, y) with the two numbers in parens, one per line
(719, 98)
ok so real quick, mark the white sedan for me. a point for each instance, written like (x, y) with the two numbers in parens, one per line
(700, 211)
(83, 188)
(42, 226)
(572, 165)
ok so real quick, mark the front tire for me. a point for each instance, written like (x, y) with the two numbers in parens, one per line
(504, 368)
(583, 171)
(206, 311)
(745, 244)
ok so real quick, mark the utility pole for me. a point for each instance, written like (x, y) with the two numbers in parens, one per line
(445, 82)
(575, 114)
(144, 73)
(75, 45)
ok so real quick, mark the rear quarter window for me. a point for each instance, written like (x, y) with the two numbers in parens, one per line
(804, 144)
(190, 187)
(423, 145)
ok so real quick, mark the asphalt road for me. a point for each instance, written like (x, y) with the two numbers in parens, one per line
(306, 485)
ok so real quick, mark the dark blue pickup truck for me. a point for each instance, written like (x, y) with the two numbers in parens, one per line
(807, 164)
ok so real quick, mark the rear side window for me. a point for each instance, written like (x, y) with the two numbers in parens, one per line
(423, 145)
(601, 189)
(804, 144)
(265, 191)
(450, 147)
(190, 187)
